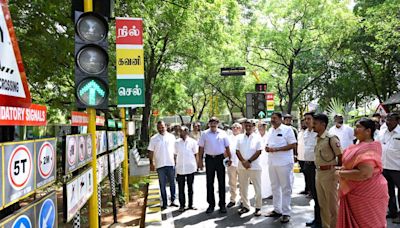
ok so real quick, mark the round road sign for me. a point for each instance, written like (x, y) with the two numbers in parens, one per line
(22, 221)
(47, 215)
(81, 148)
(46, 160)
(89, 146)
(71, 151)
(19, 167)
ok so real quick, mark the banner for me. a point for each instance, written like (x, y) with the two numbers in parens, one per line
(79, 119)
(35, 115)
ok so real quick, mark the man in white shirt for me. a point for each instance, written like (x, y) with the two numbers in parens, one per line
(186, 150)
(215, 144)
(248, 150)
(390, 140)
(266, 191)
(161, 155)
(308, 139)
(342, 131)
(280, 144)
(300, 154)
(232, 169)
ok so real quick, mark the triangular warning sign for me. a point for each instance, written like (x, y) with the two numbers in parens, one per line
(381, 110)
(14, 89)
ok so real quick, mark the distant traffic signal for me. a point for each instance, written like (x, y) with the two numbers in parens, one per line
(259, 105)
(91, 60)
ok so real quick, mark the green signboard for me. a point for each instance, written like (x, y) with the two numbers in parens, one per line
(130, 92)
(119, 124)
(111, 123)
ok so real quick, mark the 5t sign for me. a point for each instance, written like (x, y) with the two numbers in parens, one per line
(19, 171)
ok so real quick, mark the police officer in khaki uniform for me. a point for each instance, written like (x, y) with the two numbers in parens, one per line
(328, 155)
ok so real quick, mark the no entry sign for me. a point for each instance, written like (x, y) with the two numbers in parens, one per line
(46, 161)
(19, 170)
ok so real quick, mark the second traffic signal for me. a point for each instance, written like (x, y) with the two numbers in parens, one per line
(259, 105)
(91, 60)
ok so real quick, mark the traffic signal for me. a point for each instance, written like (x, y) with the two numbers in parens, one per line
(91, 60)
(259, 103)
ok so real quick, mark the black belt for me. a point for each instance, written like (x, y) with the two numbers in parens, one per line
(215, 156)
(309, 162)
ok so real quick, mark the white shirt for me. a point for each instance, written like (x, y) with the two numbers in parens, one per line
(248, 146)
(390, 148)
(310, 140)
(282, 136)
(163, 147)
(300, 145)
(344, 133)
(232, 148)
(185, 151)
(214, 143)
(264, 139)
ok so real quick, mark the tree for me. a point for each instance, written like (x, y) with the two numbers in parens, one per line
(297, 43)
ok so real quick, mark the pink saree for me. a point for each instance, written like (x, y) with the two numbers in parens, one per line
(363, 203)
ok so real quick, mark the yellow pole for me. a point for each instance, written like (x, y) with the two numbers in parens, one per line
(93, 200)
(125, 170)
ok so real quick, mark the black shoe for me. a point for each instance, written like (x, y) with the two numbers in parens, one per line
(209, 210)
(222, 210)
(269, 197)
(285, 218)
(230, 204)
(257, 212)
(273, 214)
(243, 210)
(173, 205)
(391, 216)
(192, 208)
(304, 192)
(181, 209)
(310, 223)
(316, 225)
(163, 207)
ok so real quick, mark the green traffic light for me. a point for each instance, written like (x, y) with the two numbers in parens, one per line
(91, 92)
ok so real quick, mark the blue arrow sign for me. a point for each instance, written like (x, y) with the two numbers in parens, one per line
(92, 88)
(22, 221)
(47, 215)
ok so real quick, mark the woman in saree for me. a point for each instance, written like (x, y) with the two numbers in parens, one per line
(363, 191)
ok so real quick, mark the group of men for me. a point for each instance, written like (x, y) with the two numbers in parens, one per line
(266, 159)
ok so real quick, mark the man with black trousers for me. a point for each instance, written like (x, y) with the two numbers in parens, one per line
(215, 144)
(310, 140)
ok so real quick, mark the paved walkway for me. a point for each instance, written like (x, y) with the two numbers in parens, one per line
(302, 210)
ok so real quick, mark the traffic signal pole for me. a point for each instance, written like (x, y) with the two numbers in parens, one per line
(93, 200)
(125, 170)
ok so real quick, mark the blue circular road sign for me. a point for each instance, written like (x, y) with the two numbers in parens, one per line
(22, 221)
(47, 215)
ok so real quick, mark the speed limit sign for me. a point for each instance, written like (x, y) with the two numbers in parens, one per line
(20, 167)
(45, 161)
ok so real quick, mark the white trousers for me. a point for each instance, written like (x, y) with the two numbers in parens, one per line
(265, 181)
(281, 183)
(233, 178)
(245, 176)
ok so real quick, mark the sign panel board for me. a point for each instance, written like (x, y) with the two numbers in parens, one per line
(101, 141)
(130, 92)
(233, 71)
(77, 193)
(79, 119)
(76, 151)
(39, 214)
(46, 212)
(130, 62)
(14, 90)
(19, 170)
(129, 31)
(34, 115)
(45, 161)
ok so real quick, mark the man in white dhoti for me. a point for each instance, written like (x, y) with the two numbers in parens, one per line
(266, 191)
